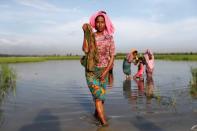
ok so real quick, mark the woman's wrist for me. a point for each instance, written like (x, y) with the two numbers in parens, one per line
(107, 69)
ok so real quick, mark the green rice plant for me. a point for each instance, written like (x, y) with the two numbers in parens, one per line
(193, 83)
(7, 80)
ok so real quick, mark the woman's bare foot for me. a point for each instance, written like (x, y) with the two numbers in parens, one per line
(105, 124)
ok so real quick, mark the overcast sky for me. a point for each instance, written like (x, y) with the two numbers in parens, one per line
(54, 26)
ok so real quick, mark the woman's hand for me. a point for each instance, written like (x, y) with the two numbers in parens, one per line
(85, 26)
(107, 69)
(134, 77)
(85, 47)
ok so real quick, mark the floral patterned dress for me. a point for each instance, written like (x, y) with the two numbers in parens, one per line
(106, 49)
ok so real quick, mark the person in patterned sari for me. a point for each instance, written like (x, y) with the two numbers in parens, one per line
(97, 78)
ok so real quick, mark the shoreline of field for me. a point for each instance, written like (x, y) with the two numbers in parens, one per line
(25, 59)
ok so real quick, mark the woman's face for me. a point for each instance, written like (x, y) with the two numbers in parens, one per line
(134, 54)
(150, 56)
(100, 23)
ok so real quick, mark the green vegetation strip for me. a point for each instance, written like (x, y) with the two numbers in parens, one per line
(19, 59)
(36, 59)
(173, 57)
(177, 57)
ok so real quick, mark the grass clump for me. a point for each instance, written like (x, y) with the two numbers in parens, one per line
(7, 80)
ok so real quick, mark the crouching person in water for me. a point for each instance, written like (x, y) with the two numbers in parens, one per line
(140, 72)
(138, 77)
(130, 58)
(102, 57)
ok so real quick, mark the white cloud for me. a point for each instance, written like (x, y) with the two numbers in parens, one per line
(141, 34)
(10, 40)
(45, 6)
(130, 33)
(67, 27)
(59, 38)
(5, 41)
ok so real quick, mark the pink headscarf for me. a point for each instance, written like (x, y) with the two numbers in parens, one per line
(148, 51)
(109, 25)
(129, 56)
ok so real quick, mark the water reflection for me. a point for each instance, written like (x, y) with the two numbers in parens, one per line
(45, 120)
(164, 101)
(149, 89)
(193, 83)
(134, 94)
(149, 93)
(127, 88)
(140, 85)
(1, 117)
(144, 97)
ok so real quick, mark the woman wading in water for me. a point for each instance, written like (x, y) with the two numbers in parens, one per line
(100, 50)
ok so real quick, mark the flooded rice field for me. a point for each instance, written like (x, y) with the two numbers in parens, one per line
(53, 96)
